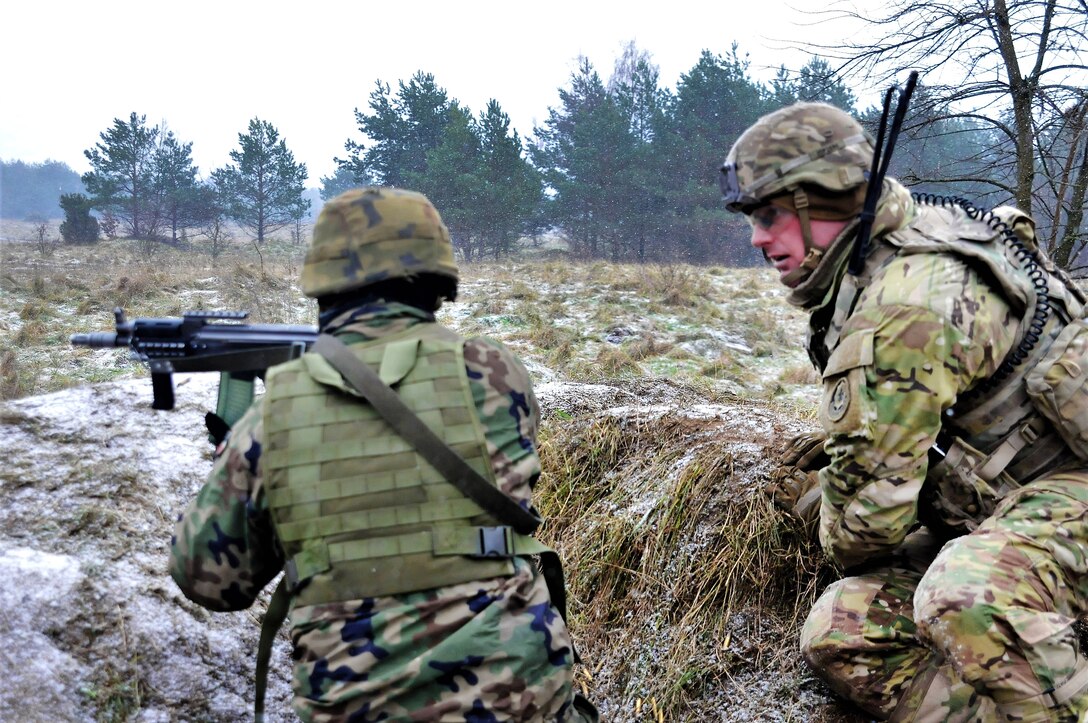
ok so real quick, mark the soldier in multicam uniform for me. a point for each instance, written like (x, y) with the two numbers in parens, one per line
(954, 410)
(394, 615)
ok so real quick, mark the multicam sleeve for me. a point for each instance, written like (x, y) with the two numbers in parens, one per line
(224, 549)
(509, 414)
(928, 332)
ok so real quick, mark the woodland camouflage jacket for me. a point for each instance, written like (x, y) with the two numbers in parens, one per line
(489, 645)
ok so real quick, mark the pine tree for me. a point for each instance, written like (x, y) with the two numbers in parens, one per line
(644, 211)
(122, 177)
(343, 179)
(819, 83)
(264, 186)
(508, 204)
(714, 103)
(472, 169)
(451, 178)
(79, 226)
(401, 129)
(582, 151)
(178, 192)
(783, 89)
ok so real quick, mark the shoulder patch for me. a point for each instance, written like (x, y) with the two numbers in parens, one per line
(838, 400)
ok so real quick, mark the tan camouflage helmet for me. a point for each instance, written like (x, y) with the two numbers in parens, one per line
(811, 144)
(367, 235)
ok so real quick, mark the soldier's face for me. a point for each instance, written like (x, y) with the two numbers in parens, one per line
(777, 233)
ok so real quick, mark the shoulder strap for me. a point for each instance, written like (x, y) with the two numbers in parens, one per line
(278, 608)
(409, 426)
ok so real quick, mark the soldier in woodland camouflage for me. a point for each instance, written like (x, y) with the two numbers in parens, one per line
(394, 615)
(954, 412)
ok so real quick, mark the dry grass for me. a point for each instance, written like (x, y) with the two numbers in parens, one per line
(677, 321)
(524, 292)
(589, 322)
(45, 299)
(683, 577)
(647, 346)
(13, 384)
(490, 307)
(676, 284)
(614, 362)
(800, 374)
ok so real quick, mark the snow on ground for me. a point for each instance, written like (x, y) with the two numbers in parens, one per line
(92, 483)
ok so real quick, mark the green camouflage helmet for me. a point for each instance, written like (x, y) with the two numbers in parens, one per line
(813, 144)
(367, 235)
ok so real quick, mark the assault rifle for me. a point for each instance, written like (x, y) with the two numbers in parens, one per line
(194, 343)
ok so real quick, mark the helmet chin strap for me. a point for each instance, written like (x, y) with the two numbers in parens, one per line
(813, 255)
(800, 203)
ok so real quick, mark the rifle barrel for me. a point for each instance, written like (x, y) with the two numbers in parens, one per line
(99, 340)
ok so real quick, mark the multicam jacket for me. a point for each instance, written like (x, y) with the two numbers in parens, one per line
(493, 647)
(901, 347)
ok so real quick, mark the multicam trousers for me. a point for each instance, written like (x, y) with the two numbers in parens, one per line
(984, 632)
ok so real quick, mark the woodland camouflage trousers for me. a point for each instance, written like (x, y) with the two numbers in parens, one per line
(982, 633)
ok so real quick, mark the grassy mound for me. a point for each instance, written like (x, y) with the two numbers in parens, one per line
(687, 586)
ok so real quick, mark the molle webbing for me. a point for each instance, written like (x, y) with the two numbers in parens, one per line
(1003, 424)
(358, 511)
(432, 448)
(1006, 425)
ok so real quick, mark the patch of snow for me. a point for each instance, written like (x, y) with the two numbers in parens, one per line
(711, 342)
(93, 481)
(35, 597)
(538, 372)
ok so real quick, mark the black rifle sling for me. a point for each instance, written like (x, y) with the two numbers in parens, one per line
(278, 608)
(409, 426)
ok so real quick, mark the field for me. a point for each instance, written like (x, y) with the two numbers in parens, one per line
(665, 390)
(725, 329)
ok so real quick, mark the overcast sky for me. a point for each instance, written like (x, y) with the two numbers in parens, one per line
(207, 68)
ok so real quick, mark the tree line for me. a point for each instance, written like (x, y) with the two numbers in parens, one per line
(30, 190)
(143, 184)
(626, 169)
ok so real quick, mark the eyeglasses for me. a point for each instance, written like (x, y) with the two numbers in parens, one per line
(764, 216)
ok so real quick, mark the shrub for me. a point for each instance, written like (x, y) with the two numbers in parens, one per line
(79, 226)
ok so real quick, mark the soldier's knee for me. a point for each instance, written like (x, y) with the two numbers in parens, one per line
(820, 638)
(952, 610)
(941, 620)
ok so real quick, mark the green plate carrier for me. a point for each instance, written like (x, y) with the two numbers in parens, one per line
(357, 496)
(358, 511)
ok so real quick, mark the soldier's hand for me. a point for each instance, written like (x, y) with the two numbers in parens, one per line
(796, 492)
(806, 452)
(795, 485)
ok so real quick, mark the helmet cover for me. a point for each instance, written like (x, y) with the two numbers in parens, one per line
(372, 234)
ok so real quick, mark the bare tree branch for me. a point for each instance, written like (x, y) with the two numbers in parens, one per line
(1003, 80)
